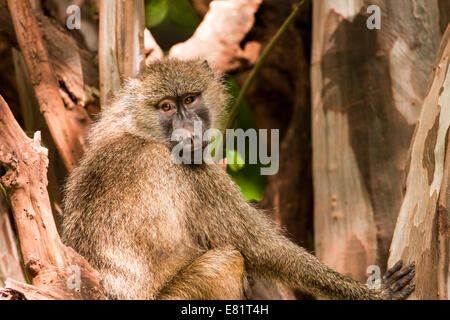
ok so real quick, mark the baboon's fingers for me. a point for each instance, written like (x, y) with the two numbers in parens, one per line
(393, 270)
(400, 274)
(404, 281)
(404, 293)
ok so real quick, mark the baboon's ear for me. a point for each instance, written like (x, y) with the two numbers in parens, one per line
(206, 64)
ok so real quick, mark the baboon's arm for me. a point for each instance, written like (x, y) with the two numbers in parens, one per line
(224, 218)
(271, 255)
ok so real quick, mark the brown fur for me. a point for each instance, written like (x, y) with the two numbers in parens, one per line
(219, 274)
(155, 229)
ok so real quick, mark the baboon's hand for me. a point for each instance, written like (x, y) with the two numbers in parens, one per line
(397, 282)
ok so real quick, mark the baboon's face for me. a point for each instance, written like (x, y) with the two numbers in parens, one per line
(187, 116)
(177, 102)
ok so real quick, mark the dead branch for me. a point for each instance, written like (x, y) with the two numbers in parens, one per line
(76, 68)
(44, 83)
(130, 36)
(218, 37)
(121, 43)
(108, 64)
(48, 263)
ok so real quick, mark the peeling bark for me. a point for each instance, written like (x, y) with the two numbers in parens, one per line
(47, 261)
(368, 87)
(107, 51)
(422, 230)
(61, 125)
(34, 121)
(121, 43)
(130, 36)
(76, 68)
(218, 37)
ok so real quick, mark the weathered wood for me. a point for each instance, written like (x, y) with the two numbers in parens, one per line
(219, 35)
(47, 261)
(121, 43)
(34, 121)
(45, 85)
(367, 91)
(23, 291)
(75, 67)
(108, 64)
(422, 230)
(130, 37)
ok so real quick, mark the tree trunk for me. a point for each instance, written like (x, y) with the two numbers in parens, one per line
(121, 43)
(34, 121)
(48, 263)
(423, 226)
(368, 87)
(67, 135)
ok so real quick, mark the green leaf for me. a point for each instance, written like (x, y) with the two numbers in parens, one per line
(171, 21)
(250, 181)
(248, 177)
(172, 13)
(156, 12)
(234, 160)
(182, 14)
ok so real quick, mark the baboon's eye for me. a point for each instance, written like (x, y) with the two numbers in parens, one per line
(189, 100)
(166, 107)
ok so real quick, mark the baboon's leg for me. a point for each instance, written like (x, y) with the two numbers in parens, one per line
(217, 274)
